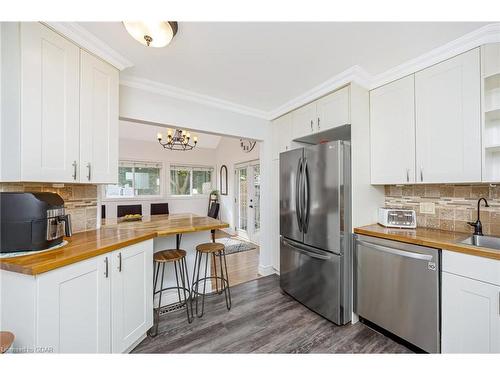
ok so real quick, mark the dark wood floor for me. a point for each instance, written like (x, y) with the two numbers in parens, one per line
(262, 320)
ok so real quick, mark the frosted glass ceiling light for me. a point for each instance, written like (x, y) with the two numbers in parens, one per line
(152, 34)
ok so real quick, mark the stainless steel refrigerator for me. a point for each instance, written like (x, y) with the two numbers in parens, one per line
(315, 228)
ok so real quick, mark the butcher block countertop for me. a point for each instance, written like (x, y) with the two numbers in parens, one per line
(112, 235)
(436, 238)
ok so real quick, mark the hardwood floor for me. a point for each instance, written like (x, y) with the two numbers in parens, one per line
(242, 267)
(262, 320)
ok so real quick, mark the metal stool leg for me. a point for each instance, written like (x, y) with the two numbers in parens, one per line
(215, 271)
(204, 288)
(197, 295)
(185, 286)
(227, 290)
(177, 281)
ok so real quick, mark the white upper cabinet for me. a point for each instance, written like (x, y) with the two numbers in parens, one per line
(98, 120)
(50, 105)
(392, 132)
(281, 134)
(333, 110)
(448, 120)
(304, 120)
(325, 113)
(59, 109)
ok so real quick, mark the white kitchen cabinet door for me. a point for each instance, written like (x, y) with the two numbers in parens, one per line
(131, 294)
(282, 134)
(333, 110)
(74, 307)
(392, 132)
(49, 105)
(98, 120)
(304, 121)
(448, 120)
(470, 315)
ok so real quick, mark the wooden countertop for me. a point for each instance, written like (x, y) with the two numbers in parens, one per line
(113, 235)
(429, 237)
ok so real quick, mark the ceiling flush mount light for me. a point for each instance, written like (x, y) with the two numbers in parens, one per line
(152, 34)
(178, 140)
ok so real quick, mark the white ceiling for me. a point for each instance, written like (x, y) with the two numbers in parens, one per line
(143, 132)
(264, 65)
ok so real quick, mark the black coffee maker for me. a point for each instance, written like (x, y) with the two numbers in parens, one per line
(32, 221)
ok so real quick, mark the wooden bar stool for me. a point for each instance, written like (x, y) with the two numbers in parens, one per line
(215, 250)
(178, 258)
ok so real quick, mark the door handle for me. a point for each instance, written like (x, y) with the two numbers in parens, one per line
(312, 129)
(74, 170)
(298, 209)
(421, 174)
(305, 251)
(120, 262)
(305, 211)
(106, 273)
(89, 174)
(390, 250)
(407, 175)
(319, 127)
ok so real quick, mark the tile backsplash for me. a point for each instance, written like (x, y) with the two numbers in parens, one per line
(455, 205)
(79, 200)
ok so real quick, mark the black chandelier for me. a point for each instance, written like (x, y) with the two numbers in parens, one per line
(178, 140)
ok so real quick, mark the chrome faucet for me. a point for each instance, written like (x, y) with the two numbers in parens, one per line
(478, 227)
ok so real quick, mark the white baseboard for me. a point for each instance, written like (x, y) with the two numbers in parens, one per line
(266, 270)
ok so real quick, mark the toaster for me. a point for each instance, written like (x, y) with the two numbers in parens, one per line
(397, 218)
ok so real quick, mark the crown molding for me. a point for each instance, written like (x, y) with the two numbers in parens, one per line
(354, 74)
(175, 92)
(90, 42)
(487, 34)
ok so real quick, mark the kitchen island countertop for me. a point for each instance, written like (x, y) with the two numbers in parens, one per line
(113, 235)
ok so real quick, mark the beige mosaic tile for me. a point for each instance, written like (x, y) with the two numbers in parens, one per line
(79, 200)
(455, 205)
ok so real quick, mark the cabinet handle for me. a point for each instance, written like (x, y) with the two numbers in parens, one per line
(119, 262)
(106, 271)
(312, 129)
(89, 175)
(319, 127)
(407, 175)
(74, 170)
(421, 174)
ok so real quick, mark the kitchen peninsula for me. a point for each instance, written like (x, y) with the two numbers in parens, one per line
(70, 298)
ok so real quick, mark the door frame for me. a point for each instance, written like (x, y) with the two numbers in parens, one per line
(249, 234)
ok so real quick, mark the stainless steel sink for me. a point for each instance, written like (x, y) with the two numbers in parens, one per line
(483, 241)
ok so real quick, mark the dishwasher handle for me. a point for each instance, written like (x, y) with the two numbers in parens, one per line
(393, 251)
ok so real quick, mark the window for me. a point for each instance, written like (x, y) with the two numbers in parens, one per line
(136, 179)
(186, 180)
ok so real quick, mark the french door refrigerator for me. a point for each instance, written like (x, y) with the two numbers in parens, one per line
(315, 228)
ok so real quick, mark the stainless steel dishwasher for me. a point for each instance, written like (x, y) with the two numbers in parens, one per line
(398, 289)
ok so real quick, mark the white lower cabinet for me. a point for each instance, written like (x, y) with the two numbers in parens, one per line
(99, 305)
(131, 295)
(470, 304)
(74, 306)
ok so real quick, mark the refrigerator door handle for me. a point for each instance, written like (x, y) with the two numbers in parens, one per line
(298, 209)
(305, 210)
(310, 253)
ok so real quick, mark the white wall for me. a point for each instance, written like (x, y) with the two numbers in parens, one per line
(229, 153)
(152, 151)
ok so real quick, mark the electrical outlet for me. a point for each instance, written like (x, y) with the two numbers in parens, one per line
(427, 208)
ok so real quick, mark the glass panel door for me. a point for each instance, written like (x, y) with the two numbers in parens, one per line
(247, 200)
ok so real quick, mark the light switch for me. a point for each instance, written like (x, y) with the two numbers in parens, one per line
(427, 208)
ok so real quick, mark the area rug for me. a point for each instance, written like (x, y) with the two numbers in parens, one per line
(236, 246)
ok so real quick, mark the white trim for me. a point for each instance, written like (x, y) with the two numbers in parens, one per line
(178, 93)
(266, 270)
(90, 42)
(486, 34)
(354, 74)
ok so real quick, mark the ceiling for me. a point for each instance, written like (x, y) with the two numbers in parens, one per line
(141, 132)
(264, 65)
